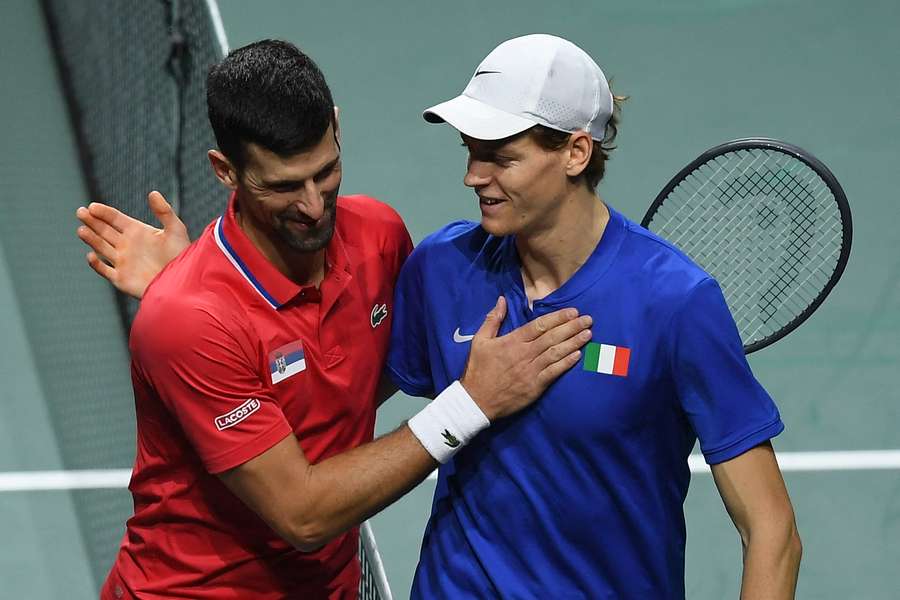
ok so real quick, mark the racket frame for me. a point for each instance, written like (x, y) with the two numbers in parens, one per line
(755, 143)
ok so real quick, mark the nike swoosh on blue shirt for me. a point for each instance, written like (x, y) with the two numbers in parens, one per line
(460, 338)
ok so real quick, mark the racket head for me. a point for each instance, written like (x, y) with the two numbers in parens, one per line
(780, 207)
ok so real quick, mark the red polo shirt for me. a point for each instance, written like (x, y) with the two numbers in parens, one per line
(229, 357)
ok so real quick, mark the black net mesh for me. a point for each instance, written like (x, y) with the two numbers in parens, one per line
(135, 78)
(138, 105)
(372, 584)
(765, 225)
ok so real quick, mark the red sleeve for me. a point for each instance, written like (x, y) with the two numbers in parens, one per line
(386, 228)
(205, 370)
(401, 246)
(397, 244)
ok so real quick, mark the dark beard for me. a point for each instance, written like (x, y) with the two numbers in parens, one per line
(312, 240)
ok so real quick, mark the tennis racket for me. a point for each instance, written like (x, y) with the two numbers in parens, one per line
(769, 221)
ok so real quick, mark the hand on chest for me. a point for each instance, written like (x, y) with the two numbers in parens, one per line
(614, 384)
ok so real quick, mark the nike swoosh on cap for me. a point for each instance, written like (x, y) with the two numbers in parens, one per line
(460, 338)
(485, 72)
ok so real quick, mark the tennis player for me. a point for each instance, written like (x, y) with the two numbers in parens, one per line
(257, 356)
(580, 495)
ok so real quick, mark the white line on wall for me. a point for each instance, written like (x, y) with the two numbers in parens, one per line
(847, 460)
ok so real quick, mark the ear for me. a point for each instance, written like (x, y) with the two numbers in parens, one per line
(224, 170)
(337, 125)
(580, 147)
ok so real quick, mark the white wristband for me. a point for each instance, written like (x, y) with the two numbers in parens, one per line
(448, 423)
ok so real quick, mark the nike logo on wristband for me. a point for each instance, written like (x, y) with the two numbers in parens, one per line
(460, 338)
(450, 439)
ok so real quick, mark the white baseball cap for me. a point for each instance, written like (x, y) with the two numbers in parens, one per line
(531, 80)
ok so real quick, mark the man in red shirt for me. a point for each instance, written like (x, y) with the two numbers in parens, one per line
(257, 356)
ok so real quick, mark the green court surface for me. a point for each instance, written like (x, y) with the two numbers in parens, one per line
(819, 74)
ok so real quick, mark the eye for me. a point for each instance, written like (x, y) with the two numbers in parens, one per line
(326, 172)
(285, 188)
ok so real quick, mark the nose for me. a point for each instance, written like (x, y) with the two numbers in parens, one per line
(312, 203)
(478, 174)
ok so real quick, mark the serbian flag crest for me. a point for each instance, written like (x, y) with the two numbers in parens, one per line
(606, 358)
(287, 361)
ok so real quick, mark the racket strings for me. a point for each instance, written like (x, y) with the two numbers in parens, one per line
(765, 225)
(790, 271)
(796, 302)
(790, 267)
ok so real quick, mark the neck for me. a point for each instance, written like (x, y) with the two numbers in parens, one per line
(551, 255)
(303, 268)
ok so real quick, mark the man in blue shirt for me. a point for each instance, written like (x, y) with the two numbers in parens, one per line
(581, 494)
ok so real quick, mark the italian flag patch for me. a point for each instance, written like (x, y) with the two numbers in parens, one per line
(604, 358)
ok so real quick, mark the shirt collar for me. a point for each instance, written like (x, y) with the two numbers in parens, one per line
(270, 283)
(598, 262)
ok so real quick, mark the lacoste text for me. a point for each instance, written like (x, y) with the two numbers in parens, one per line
(237, 415)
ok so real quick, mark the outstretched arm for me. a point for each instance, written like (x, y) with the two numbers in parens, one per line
(309, 504)
(127, 252)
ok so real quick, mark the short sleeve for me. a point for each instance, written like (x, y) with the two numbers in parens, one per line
(205, 373)
(399, 243)
(408, 358)
(725, 404)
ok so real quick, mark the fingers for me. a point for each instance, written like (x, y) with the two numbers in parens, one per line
(98, 227)
(493, 320)
(163, 211)
(561, 333)
(112, 217)
(98, 244)
(564, 348)
(541, 325)
(552, 371)
(101, 268)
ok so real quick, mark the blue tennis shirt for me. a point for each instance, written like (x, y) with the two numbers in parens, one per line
(580, 495)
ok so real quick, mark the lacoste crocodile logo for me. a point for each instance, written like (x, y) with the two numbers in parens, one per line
(450, 439)
(379, 314)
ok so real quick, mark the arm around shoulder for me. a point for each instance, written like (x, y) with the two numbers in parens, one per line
(310, 504)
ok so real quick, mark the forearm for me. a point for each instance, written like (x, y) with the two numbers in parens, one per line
(344, 490)
(771, 564)
(309, 504)
(756, 498)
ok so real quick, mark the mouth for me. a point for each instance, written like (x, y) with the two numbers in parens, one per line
(301, 225)
(304, 234)
(486, 201)
(303, 222)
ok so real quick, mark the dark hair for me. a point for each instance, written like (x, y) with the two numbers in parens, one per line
(269, 93)
(552, 139)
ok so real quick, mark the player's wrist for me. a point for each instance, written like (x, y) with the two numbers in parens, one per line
(477, 392)
(448, 423)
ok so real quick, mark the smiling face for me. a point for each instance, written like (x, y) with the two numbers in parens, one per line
(520, 186)
(290, 201)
